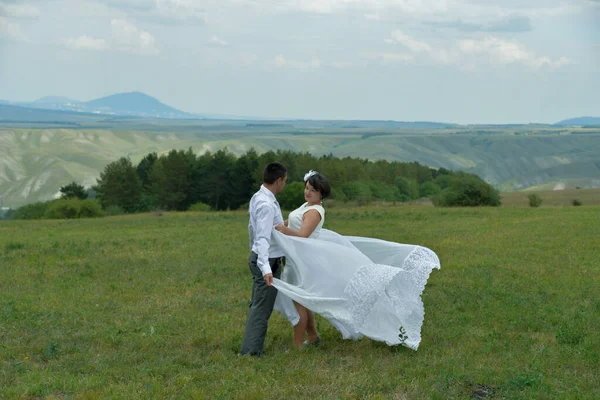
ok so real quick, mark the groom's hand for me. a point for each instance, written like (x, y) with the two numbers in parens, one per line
(269, 279)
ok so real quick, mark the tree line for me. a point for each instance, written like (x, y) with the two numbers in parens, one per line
(181, 180)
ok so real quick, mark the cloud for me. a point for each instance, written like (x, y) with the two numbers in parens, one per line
(215, 41)
(178, 11)
(128, 38)
(409, 42)
(85, 42)
(470, 52)
(130, 6)
(504, 52)
(514, 23)
(10, 12)
(471, 12)
(343, 64)
(366, 7)
(281, 62)
(162, 11)
(15, 10)
(12, 30)
(389, 58)
(465, 15)
(317, 6)
(125, 37)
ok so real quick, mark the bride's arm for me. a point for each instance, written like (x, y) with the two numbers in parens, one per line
(310, 221)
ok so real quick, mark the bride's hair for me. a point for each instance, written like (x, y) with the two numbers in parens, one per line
(320, 183)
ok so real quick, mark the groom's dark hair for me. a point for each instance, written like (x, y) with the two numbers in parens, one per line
(274, 171)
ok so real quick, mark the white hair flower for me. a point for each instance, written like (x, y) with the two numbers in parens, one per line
(309, 174)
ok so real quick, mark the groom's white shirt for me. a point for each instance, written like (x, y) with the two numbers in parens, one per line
(265, 213)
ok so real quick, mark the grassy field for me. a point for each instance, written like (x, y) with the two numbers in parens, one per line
(154, 306)
(553, 197)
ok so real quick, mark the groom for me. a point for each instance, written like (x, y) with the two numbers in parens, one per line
(265, 259)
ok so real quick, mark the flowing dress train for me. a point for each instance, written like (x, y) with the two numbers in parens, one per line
(362, 286)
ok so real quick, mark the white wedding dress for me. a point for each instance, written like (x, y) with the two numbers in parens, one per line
(362, 286)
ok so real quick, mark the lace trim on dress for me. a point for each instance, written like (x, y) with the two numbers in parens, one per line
(364, 289)
(370, 282)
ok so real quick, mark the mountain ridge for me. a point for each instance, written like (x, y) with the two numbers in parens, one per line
(139, 104)
(135, 104)
(579, 121)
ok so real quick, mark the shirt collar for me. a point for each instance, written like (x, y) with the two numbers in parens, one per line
(267, 192)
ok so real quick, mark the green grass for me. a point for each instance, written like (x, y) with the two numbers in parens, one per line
(553, 197)
(152, 306)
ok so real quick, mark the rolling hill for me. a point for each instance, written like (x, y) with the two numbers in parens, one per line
(50, 142)
(34, 163)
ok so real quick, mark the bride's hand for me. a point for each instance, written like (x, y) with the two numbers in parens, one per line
(280, 227)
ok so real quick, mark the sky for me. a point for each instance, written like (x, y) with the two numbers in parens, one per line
(456, 61)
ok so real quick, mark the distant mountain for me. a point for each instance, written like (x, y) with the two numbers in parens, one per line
(133, 104)
(19, 114)
(55, 99)
(580, 121)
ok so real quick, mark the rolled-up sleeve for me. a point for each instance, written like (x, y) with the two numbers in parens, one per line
(265, 214)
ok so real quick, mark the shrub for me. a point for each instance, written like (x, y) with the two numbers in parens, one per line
(31, 211)
(385, 192)
(63, 209)
(90, 209)
(200, 207)
(409, 188)
(292, 196)
(358, 191)
(337, 195)
(467, 190)
(576, 202)
(428, 189)
(114, 210)
(535, 200)
(442, 181)
(74, 208)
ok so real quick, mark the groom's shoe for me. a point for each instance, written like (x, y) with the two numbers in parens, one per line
(314, 343)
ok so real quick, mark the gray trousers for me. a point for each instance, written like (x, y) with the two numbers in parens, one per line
(261, 306)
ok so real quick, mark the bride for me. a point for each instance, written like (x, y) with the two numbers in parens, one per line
(362, 286)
